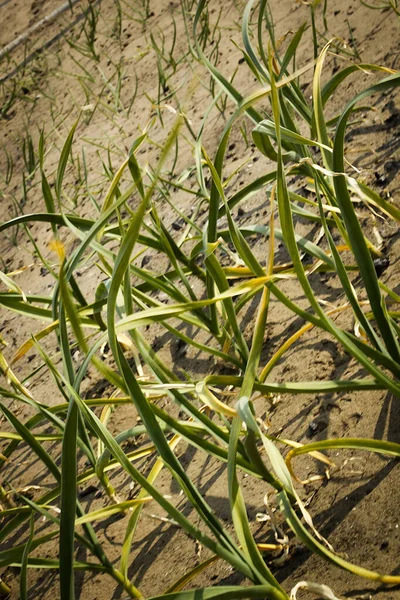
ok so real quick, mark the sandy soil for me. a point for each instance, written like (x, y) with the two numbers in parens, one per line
(358, 507)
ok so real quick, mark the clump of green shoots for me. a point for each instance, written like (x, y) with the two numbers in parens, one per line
(88, 31)
(208, 276)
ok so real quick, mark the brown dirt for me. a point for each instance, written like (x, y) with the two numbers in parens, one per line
(358, 507)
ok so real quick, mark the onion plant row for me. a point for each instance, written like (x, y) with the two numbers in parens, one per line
(212, 276)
